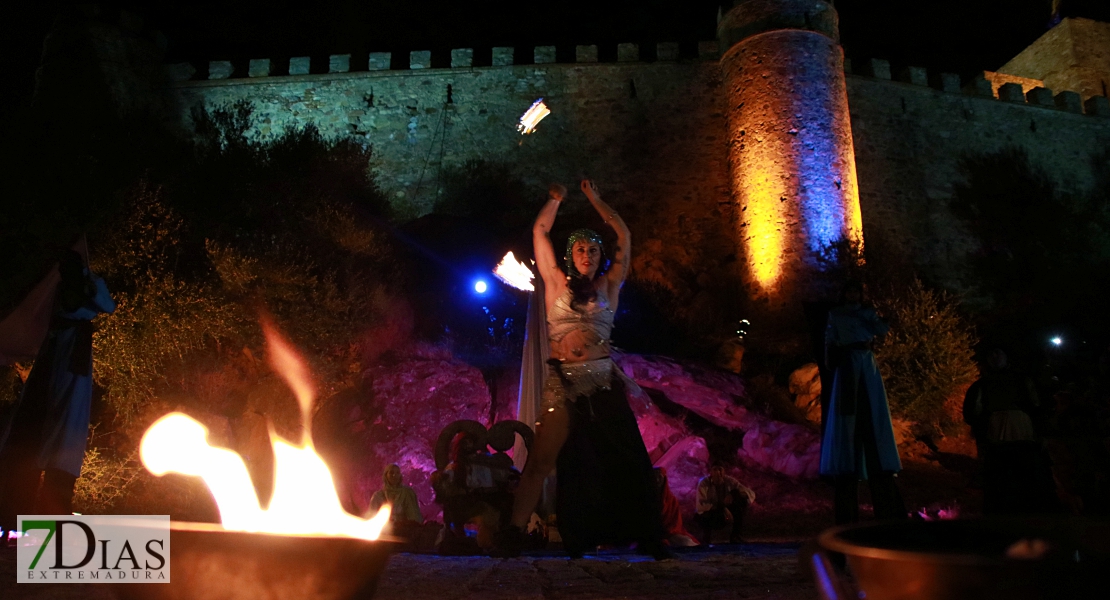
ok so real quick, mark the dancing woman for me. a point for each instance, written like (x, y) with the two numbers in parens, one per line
(605, 492)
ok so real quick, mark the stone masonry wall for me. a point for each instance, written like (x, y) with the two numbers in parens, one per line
(1074, 55)
(910, 137)
(651, 134)
(654, 136)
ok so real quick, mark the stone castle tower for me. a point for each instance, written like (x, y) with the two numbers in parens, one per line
(791, 158)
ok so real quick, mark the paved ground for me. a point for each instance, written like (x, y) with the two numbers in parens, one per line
(747, 571)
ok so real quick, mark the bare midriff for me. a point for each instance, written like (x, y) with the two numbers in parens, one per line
(580, 346)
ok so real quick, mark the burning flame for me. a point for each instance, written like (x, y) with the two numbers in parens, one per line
(304, 500)
(515, 273)
(532, 117)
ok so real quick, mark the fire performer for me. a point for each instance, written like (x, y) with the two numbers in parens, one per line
(605, 490)
(859, 438)
(49, 428)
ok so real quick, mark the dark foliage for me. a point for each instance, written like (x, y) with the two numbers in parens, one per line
(1045, 253)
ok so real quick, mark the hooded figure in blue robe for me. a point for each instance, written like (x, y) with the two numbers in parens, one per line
(858, 441)
(49, 427)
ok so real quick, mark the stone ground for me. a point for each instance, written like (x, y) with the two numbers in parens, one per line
(742, 571)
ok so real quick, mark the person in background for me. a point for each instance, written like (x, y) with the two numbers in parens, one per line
(677, 536)
(858, 442)
(1000, 407)
(48, 432)
(722, 501)
(405, 509)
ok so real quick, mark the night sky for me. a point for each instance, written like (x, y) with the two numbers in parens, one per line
(956, 35)
(963, 36)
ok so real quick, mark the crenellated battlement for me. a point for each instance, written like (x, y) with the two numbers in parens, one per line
(458, 58)
(987, 84)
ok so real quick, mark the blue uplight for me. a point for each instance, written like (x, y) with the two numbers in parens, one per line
(480, 286)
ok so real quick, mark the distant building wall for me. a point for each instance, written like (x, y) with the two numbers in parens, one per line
(910, 140)
(1074, 55)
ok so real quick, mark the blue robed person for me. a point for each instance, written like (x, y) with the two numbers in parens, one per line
(858, 443)
(46, 436)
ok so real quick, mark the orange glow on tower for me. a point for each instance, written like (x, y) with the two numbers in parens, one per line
(762, 227)
(791, 156)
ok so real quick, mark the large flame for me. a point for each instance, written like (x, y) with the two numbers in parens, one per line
(515, 273)
(304, 501)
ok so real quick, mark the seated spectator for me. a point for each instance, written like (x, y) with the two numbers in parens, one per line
(722, 502)
(405, 509)
(676, 534)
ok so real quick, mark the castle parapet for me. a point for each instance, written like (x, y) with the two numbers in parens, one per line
(986, 84)
(461, 58)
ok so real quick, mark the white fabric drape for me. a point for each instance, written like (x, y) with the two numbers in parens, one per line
(533, 367)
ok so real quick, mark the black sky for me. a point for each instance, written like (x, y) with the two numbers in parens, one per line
(956, 35)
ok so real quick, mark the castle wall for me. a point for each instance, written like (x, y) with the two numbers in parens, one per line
(654, 136)
(1074, 55)
(651, 134)
(909, 142)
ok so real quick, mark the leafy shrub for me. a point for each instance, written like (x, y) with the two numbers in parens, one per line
(287, 228)
(926, 359)
(105, 482)
(160, 317)
(1044, 254)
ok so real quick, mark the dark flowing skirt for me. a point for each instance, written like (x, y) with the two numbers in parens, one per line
(605, 492)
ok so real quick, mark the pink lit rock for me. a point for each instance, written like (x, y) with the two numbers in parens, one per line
(719, 397)
(712, 395)
(792, 450)
(395, 418)
(686, 462)
(659, 430)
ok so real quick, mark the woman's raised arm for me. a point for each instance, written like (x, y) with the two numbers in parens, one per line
(553, 278)
(622, 253)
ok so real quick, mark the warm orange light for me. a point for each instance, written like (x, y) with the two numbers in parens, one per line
(766, 234)
(853, 215)
(304, 501)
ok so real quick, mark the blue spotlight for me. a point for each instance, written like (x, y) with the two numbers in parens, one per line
(480, 286)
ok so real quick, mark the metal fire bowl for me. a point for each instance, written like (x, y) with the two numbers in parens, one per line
(966, 558)
(208, 562)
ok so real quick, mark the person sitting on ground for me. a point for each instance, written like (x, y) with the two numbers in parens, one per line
(677, 535)
(722, 501)
(402, 500)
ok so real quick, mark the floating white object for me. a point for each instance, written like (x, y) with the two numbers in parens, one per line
(532, 117)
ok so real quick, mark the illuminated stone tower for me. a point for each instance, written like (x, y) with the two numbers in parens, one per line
(791, 160)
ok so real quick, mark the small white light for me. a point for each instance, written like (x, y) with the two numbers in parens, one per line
(1057, 341)
(480, 286)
